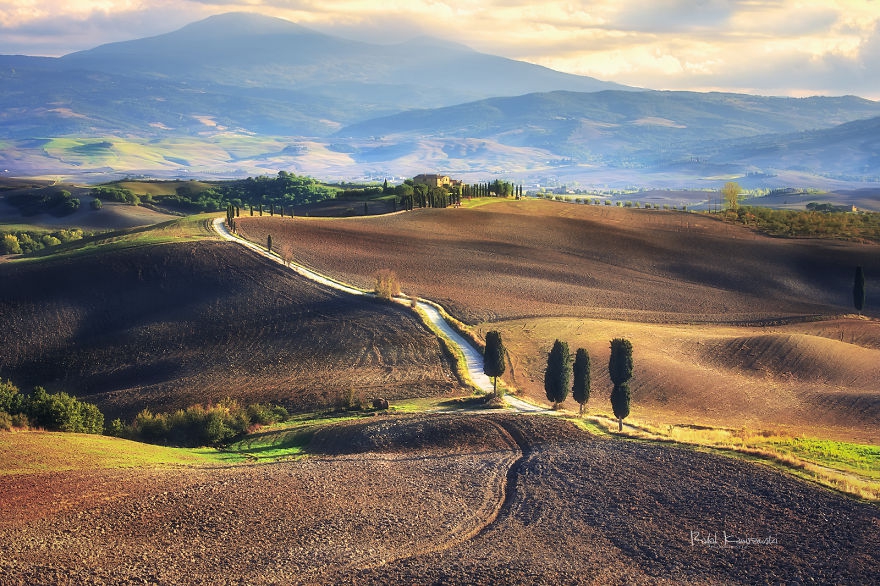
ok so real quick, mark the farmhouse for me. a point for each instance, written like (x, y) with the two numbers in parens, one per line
(435, 180)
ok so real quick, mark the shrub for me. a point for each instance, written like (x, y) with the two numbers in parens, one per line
(96, 204)
(5, 421)
(386, 284)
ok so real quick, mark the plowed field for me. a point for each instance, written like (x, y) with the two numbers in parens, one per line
(442, 499)
(537, 258)
(722, 319)
(166, 326)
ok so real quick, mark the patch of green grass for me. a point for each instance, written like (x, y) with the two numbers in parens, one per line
(39, 452)
(284, 440)
(861, 459)
(477, 202)
(187, 228)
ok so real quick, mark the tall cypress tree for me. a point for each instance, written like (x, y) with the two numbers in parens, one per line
(859, 290)
(269, 243)
(557, 377)
(580, 388)
(493, 358)
(620, 367)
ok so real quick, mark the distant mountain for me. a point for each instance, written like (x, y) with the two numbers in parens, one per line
(618, 128)
(253, 51)
(241, 94)
(849, 152)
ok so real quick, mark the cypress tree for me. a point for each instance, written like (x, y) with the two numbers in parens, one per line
(580, 389)
(493, 358)
(269, 243)
(557, 377)
(859, 290)
(620, 367)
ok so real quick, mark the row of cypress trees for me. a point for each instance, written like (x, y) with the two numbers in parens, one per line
(561, 376)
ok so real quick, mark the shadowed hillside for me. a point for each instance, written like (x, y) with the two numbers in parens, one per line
(165, 326)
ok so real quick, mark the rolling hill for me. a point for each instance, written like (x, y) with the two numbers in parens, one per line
(163, 320)
(730, 328)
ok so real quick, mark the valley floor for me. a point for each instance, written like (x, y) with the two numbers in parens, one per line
(440, 499)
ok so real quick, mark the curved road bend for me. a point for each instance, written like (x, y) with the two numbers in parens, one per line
(473, 357)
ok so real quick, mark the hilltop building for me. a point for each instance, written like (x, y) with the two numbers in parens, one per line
(435, 180)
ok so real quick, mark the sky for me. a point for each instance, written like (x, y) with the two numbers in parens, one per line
(768, 47)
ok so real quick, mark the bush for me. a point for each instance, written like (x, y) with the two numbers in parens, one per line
(386, 284)
(96, 204)
(5, 421)
(210, 425)
(59, 412)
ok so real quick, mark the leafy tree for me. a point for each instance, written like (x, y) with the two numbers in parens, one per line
(620, 367)
(580, 389)
(96, 204)
(859, 290)
(493, 358)
(10, 400)
(10, 244)
(730, 192)
(557, 377)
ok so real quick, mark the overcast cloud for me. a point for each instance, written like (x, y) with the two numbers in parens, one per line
(780, 47)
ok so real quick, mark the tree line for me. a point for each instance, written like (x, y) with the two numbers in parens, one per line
(26, 241)
(39, 409)
(562, 375)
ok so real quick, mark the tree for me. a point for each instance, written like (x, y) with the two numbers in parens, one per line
(386, 284)
(730, 192)
(620, 367)
(269, 243)
(859, 290)
(557, 377)
(96, 204)
(493, 358)
(580, 389)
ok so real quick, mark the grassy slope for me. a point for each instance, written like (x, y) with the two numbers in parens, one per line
(48, 452)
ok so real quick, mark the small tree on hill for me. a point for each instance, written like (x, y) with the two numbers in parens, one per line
(730, 192)
(620, 367)
(580, 389)
(557, 377)
(269, 243)
(859, 290)
(493, 358)
(386, 284)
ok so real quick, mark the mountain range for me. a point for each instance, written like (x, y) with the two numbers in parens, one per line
(242, 94)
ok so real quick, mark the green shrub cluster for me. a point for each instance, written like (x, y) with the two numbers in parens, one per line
(58, 203)
(120, 194)
(25, 241)
(57, 412)
(209, 425)
(809, 224)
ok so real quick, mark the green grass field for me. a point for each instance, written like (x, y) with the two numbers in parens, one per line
(40, 452)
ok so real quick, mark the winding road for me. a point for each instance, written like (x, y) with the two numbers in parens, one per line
(473, 357)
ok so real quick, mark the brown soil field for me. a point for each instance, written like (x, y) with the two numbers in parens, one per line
(165, 326)
(818, 379)
(724, 322)
(516, 259)
(441, 499)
